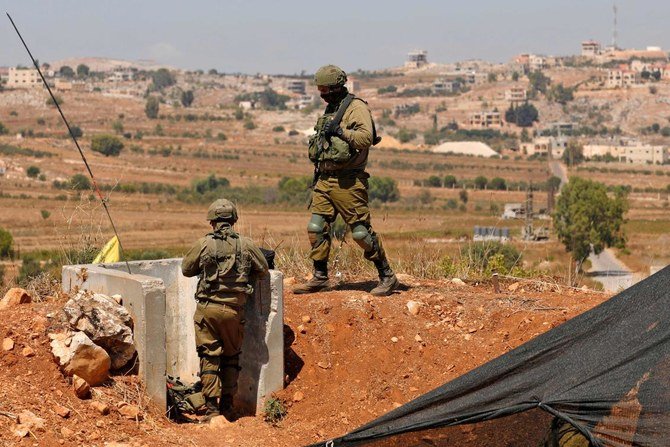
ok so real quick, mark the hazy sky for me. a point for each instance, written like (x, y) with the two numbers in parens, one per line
(289, 36)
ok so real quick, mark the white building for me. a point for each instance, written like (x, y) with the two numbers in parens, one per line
(634, 153)
(516, 95)
(23, 78)
(486, 119)
(446, 86)
(545, 146)
(121, 74)
(417, 59)
(621, 78)
(296, 86)
(590, 48)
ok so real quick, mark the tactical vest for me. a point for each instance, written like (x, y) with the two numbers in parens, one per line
(322, 148)
(334, 149)
(225, 266)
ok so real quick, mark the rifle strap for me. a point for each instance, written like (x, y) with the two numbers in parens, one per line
(344, 105)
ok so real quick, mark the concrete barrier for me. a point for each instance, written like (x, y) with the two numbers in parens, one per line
(144, 297)
(262, 359)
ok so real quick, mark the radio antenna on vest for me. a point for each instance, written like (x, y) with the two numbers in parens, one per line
(76, 143)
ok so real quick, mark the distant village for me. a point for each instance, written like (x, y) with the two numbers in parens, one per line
(603, 69)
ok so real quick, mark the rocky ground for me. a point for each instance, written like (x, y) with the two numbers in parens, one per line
(350, 357)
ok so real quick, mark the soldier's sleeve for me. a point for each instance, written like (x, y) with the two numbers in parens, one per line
(190, 265)
(357, 126)
(258, 263)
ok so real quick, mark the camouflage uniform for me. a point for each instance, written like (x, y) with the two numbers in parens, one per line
(564, 434)
(342, 187)
(225, 263)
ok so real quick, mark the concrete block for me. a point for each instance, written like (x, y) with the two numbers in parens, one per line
(144, 297)
(262, 359)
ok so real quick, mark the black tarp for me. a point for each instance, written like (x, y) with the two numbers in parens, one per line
(606, 371)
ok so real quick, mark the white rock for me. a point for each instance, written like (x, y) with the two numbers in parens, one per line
(14, 297)
(27, 420)
(458, 281)
(107, 323)
(78, 355)
(413, 307)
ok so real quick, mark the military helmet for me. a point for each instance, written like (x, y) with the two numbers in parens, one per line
(330, 76)
(222, 209)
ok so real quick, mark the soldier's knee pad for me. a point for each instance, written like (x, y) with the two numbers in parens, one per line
(361, 234)
(317, 229)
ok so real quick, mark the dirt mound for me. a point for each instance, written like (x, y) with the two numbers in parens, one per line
(350, 357)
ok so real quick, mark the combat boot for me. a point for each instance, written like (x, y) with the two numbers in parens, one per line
(212, 410)
(388, 282)
(226, 406)
(318, 283)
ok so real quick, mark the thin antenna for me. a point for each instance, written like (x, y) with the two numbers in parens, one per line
(615, 30)
(76, 143)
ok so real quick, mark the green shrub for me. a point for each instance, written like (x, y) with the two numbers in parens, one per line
(211, 183)
(107, 145)
(51, 102)
(274, 410)
(6, 243)
(384, 189)
(79, 182)
(32, 171)
(487, 257)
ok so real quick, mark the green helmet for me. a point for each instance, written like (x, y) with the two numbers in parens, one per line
(330, 76)
(222, 209)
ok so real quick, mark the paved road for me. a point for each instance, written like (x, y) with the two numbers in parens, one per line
(612, 273)
(559, 170)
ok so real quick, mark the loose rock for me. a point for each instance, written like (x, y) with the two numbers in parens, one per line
(219, 422)
(27, 420)
(66, 433)
(77, 354)
(413, 307)
(458, 281)
(14, 297)
(81, 388)
(306, 319)
(7, 344)
(394, 339)
(107, 323)
(418, 338)
(100, 407)
(129, 411)
(302, 329)
(62, 411)
(298, 396)
(28, 352)
(513, 287)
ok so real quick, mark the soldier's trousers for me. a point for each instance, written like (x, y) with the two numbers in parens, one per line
(348, 197)
(219, 330)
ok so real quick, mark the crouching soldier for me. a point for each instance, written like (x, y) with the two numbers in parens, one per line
(225, 263)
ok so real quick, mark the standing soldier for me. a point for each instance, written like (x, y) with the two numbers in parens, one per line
(339, 151)
(225, 262)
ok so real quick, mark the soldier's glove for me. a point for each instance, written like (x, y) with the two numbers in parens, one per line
(333, 130)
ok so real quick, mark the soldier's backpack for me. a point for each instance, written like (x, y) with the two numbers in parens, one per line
(183, 399)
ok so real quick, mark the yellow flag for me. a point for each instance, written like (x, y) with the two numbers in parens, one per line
(109, 253)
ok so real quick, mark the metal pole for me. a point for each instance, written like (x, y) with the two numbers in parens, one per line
(76, 143)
